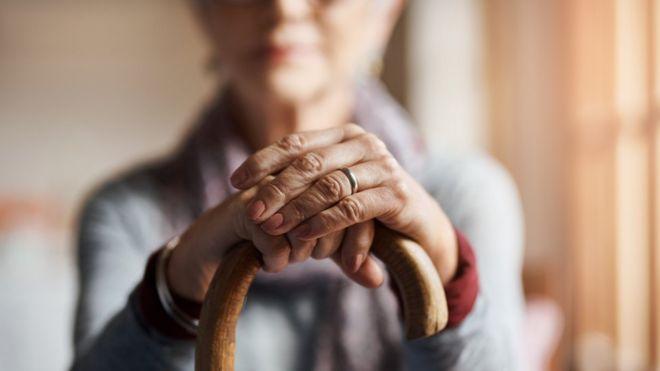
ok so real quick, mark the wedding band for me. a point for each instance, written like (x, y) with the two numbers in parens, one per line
(351, 179)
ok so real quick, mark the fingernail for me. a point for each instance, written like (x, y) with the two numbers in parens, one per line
(302, 232)
(238, 178)
(255, 209)
(273, 222)
(356, 262)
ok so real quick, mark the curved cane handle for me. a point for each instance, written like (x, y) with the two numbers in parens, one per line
(424, 303)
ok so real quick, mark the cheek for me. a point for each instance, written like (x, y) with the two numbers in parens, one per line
(234, 35)
(346, 37)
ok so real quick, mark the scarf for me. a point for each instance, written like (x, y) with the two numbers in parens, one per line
(357, 329)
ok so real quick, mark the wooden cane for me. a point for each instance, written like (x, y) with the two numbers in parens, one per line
(424, 303)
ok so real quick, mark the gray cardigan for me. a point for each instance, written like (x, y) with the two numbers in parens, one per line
(284, 323)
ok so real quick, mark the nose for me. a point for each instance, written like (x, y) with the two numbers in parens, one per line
(292, 9)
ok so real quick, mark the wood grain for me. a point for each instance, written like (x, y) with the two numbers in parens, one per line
(424, 303)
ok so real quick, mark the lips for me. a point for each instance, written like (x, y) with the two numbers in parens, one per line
(291, 43)
(284, 52)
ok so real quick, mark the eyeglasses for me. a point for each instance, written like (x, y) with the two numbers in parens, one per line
(251, 2)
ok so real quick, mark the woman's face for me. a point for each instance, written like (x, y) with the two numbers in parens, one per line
(291, 50)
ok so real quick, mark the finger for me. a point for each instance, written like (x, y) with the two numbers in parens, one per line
(275, 250)
(300, 250)
(326, 192)
(305, 170)
(356, 244)
(327, 245)
(360, 207)
(370, 274)
(276, 156)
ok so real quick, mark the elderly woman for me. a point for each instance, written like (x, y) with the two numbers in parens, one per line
(301, 153)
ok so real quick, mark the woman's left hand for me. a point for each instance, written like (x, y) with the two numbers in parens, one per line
(310, 199)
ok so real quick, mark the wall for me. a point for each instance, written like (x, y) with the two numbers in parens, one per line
(86, 88)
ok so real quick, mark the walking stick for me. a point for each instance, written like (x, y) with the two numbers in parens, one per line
(424, 303)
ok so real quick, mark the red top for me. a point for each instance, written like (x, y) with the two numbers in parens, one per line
(462, 290)
(461, 293)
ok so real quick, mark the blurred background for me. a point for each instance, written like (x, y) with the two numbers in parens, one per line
(565, 93)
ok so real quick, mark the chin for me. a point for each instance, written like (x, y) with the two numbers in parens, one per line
(296, 85)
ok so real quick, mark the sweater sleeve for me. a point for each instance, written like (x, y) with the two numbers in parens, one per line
(461, 292)
(482, 202)
(110, 333)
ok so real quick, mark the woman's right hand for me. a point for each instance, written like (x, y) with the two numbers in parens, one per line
(201, 247)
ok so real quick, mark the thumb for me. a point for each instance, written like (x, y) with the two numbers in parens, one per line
(370, 274)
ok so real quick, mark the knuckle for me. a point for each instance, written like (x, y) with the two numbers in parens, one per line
(252, 168)
(322, 251)
(316, 254)
(391, 165)
(400, 189)
(375, 144)
(331, 187)
(296, 211)
(322, 255)
(277, 258)
(310, 163)
(273, 267)
(274, 190)
(351, 209)
(281, 252)
(292, 143)
(354, 129)
(303, 251)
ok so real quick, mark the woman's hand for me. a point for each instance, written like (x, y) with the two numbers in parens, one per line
(310, 199)
(201, 248)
